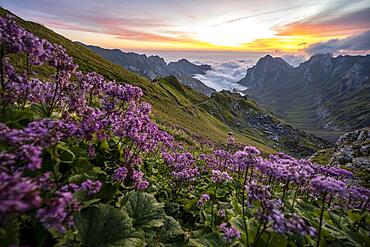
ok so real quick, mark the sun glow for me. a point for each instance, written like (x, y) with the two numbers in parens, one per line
(238, 25)
(234, 34)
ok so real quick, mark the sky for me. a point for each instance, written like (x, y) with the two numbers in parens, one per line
(228, 25)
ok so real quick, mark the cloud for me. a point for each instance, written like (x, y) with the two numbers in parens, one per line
(325, 24)
(116, 19)
(356, 43)
(225, 75)
(257, 15)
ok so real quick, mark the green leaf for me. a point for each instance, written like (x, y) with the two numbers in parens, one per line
(278, 240)
(367, 219)
(208, 240)
(171, 232)
(98, 170)
(76, 179)
(238, 223)
(9, 231)
(358, 239)
(89, 203)
(64, 154)
(104, 146)
(144, 209)
(105, 225)
(190, 206)
(82, 165)
(237, 208)
(19, 118)
(356, 217)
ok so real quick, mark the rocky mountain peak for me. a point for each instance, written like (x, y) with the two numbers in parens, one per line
(186, 67)
(155, 66)
(267, 68)
(320, 62)
(323, 89)
(272, 62)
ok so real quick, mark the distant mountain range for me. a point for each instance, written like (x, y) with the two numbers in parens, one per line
(325, 95)
(152, 67)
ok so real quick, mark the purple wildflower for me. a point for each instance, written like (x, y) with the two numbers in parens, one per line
(140, 183)
(45, 182)
(220, 176)
(203, 199)
(183, 166)
(120, 174)
(71, 187)
(322, 184)
(229, 232)
(92, 187)
(297, 225)
(18, 194)
(58, 212)
(31, 156)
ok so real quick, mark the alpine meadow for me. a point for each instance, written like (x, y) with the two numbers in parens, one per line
(106, 141)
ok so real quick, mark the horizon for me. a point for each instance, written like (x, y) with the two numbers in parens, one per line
(329, 26)
(189, 54)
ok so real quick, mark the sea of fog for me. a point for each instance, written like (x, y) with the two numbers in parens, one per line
(227, 67)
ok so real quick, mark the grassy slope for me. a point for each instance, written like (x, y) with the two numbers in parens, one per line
(170, 104)
(173, 104)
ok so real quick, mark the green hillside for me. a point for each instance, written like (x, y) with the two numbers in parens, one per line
(174, 105)
(86, 163)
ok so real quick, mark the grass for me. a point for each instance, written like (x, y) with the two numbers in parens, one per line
(173, 104)
(323, 156)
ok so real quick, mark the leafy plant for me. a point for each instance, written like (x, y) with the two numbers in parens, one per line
(78, 152)
(104, 225)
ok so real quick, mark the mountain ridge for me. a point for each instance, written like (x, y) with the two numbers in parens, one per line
(318, 95)
(155, 66)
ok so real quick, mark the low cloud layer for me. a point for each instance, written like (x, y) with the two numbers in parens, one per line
(225, 75)
(356, 43)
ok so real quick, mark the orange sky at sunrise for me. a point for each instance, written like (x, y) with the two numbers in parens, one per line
(264, 25)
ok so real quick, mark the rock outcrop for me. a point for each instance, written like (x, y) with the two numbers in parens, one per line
(353, 150)
(325, 95)
(242, 113)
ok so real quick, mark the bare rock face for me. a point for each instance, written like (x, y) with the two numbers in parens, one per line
(325, 93)
(353, 151)
(244, 114)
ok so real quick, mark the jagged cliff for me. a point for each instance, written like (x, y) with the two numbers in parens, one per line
(325, 95)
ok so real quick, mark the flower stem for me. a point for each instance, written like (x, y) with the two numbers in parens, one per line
(320, 223)
(294, 198)
(243, 208)
(213, 202)
(268, 239)
(285, 190)
(362, 218)
(259, 235)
